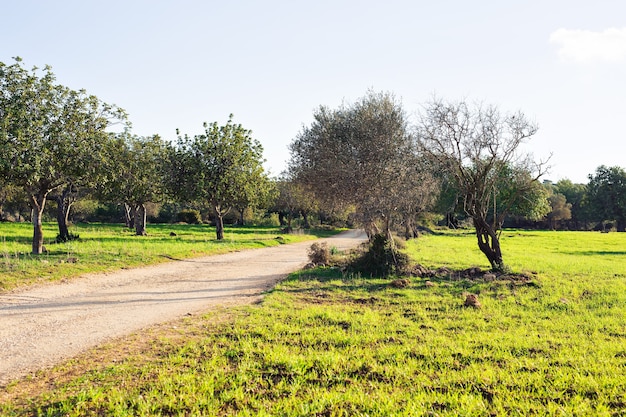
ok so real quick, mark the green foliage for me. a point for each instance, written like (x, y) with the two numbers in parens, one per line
(68, 238)
(362, 155)
(222, 167)
(323, 343)
(382, 258)
(189, 216)
(50, 135)
(607, 195)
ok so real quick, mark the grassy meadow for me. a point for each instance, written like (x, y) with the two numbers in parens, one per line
(108, 247)
(325, 343)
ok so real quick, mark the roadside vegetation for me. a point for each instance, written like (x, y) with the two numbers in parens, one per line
(108, 247)
(548, 340)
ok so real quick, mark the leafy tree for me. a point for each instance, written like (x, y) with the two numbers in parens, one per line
(137, 167)
(561, 210)
(50, 135)
(287, 202)
(255, 191)
(478, 148)
(360, 155)
(11, 198)
(294, 199)
(576, 195)
(607, 195)
(220, 167)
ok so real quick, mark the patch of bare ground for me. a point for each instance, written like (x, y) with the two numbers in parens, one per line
(474, 273)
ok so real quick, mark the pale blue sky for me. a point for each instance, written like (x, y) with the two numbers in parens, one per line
(176, 64)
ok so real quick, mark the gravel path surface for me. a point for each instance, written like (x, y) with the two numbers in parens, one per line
(43, 326)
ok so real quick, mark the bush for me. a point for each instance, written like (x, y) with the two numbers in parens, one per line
(382, 258)
(189, 216)
(319, 254)
(71, 237)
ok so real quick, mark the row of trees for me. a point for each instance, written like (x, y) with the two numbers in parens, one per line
(57, 142)
(362, 158)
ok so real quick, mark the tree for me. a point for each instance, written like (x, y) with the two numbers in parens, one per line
(50, 135)
(478, 147)
(607, 195)
(360, 155)
(293, 199)
(219, 167)
(561, 210)
(576, 195)
(255, 191)
(137, 167)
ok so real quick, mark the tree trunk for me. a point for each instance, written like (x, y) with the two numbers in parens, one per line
(63, 212)
(242, 222)
(129, 216)
(305, 218)
(140, 220)
(409, 231)
(38, 204)
(281, 219)
(489, 243)
(219, 224)
(621, 225)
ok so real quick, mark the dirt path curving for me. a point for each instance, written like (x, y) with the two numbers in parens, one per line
(43, 326)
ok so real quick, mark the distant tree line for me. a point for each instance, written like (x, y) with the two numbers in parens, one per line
(361, 164)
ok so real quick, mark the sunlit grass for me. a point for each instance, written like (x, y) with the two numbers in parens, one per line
(106, 247)
(328, 344)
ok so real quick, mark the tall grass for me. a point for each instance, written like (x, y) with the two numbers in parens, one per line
(327, 344)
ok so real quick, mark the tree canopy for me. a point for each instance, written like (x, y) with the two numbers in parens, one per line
(219, 168)
(362, 155)
(50, 135)
(607, 195)
(478, 148)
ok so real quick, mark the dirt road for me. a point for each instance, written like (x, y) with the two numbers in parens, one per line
(43, 326)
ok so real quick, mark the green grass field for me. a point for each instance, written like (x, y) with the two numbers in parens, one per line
(107, 247)
(327, 344)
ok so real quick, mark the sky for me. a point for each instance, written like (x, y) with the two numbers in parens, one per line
(176, 64)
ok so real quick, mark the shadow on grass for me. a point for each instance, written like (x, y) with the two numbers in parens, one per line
(594, 253)
(334, 280)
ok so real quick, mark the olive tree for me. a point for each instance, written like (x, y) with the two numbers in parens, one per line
(50, 135)
(478, 148)
(361, 155)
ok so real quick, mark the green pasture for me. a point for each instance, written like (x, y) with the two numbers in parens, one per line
(107, 247)
(325, 343)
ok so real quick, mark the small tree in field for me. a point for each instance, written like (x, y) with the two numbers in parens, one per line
(478, 148)
(221, 167)
(136, 166)
(50, 136)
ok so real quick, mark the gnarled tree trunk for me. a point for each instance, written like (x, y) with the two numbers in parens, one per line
(489, 243)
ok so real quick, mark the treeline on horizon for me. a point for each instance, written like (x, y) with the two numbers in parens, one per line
(360, 164)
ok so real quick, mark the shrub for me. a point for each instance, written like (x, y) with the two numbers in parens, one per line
(319, 253)
(189, 216)
(381, 259)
